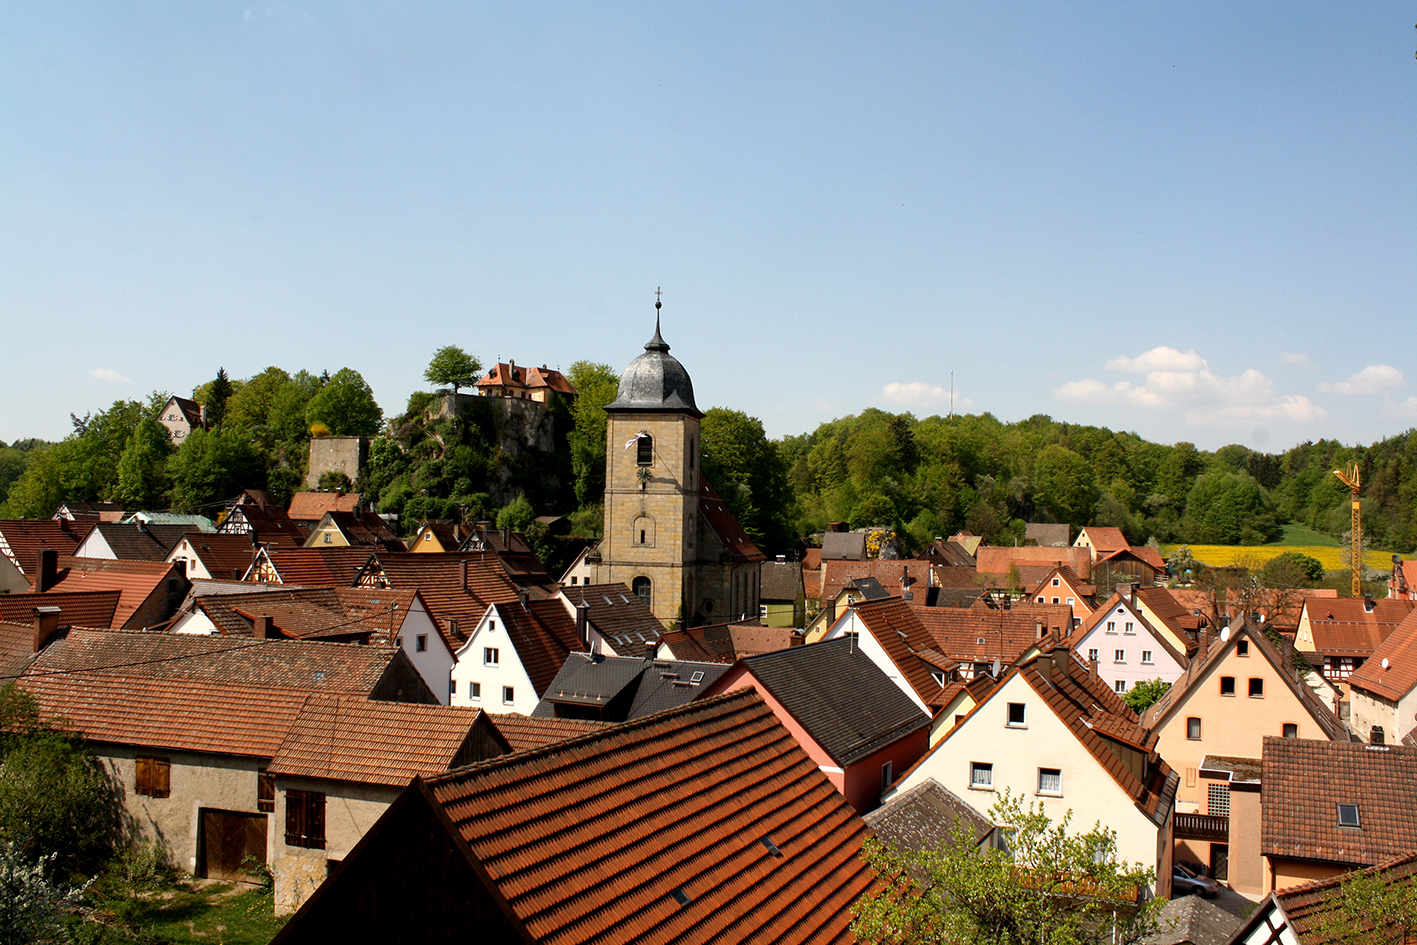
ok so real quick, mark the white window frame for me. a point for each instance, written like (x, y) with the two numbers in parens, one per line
(490, 656)
(1146, 657)
(981, 776)
(1119, 656)
(509, 695)
(1056, 773)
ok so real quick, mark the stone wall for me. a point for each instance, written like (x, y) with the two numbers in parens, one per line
(346, 454)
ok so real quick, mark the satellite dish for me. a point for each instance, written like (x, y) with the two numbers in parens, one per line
(997, 667)
(1224, 634)
(1385, 664)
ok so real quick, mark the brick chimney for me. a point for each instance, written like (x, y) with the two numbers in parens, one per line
(46, 624)
(522, 596)
(582, 609)
(1203, 642)
(46, 574)
(264, 627)
(462, 573)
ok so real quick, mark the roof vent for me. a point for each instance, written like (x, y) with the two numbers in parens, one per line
(681, 897)
(773, 848)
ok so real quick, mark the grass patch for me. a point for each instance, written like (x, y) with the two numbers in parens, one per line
(182, 913)
(1301, 535)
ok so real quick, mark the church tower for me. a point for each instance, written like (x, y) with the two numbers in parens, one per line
(652, 481)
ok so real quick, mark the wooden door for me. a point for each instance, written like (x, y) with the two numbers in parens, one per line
(228, 837)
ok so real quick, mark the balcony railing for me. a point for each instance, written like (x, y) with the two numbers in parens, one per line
(1202, 827)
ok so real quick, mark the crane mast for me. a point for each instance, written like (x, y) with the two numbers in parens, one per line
(1354, 481)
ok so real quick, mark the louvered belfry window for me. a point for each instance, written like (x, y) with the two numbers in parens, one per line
(154, 777)
(305, 819)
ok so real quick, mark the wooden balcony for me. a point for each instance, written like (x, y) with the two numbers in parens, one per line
(1203, 827)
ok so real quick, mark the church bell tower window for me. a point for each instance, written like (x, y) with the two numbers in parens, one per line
(644, 450)
(642, 589)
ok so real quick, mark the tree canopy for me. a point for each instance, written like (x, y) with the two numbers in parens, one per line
(452, 367)
(346, 405)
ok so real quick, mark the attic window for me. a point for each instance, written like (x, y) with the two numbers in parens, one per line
(979, 641)
(697, 677)
(772, 847)
(681, 897)
(1348, 815)
(1242, 647)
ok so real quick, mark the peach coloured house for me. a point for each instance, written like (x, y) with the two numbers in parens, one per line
(855, 723)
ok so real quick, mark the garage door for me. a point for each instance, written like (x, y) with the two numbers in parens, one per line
(228, 837)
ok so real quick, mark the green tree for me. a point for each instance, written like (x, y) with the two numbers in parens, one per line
(1141, 696)
(250, 404)
(1052, 886)
(1226, 508)
(218, 393)
(452, 367)
(142, 473)
(1065, 485)
(1370, 909)
(32, 905)
(40, 488)
(1295, 569)
(596, 385)
(346, 405)
(744, 467)
(517, 515)
(214, 465)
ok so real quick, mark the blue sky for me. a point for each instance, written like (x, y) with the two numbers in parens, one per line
(1195, 221)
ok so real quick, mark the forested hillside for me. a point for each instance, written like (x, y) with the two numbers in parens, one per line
(927, 476)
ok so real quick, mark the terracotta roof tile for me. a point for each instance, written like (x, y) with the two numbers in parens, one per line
(780, 580)
(1391, 672)
(543, 635)
(269, 524)
(76, 608)
(366, 742)
(22, 539)
(312, 506)
(1307, 908)
(897, 627)
(925, 818)
(629, 815)
(1303, 782)
(993, 560)
(1344, 626)
(310, 612)
(892, 575)
(1007, 634)
(221, 555)
(1163, 603)
(1106, 538)
(718, 518)
(524, 733)
(136, 581)
(456, 587)
(362, 529)
(317, 567)
(16, 648)
(728, 642)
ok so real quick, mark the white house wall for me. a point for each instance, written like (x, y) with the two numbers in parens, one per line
(195, 622)
(1017, 752)
(472, 667)
(1131, 669)
(95, 545)
(435, 662)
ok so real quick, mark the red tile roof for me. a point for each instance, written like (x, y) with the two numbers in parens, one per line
(365, 742)
(312, 612)
(456, 587)
(22, 539)
(76, 609)
(543, 634)
(1344, 626)
(1007, 634)
(892, 575)
(221, 555)
(1309, 910)
(897, 627)
(269, 524)
(728, 642)
(217, 661)
(1302, 783)
(993, 560)
(1069, 577)
(713, 511)
(509, 375)
(16, 648)
(136, 581)
(524, 733)
(630, 815)
(1391, 671)
(318, 567)
(312, 506)
(1162, 602)
(1105, 538)
(362, 528)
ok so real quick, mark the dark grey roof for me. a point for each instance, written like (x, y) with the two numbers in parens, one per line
(1193, 921)
(655, 381)
(844, 701)
(924, 818)
(849, 546)
(780, 580)
(870, 588)
(668, 684)
(585, 679)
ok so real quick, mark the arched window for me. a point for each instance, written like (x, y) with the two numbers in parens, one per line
(643, 531)
(644, 450)
(640, 586)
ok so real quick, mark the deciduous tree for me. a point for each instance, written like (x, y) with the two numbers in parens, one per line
(346, 405)
(452, 367)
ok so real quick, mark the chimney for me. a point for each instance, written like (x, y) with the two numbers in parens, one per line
(522, 596)
(1204, 641)
(1038, 629)
(651, 648)
(46, 624)
(1044, 662)
(46, 575)
(581, 632)
(236, 574)
(1061, 657)
(1127, 592)
(1092, 666)
(1367, 604)
(264, 628)
(462, 573)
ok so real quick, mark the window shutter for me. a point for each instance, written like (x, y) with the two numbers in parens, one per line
(144, 779)
(162, 777)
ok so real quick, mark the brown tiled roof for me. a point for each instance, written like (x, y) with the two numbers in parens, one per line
(516, 377)
(318, 567)
(524, 733)
(135, 581)
(1303, 782)
(1163, 603)
(170, 714)
(1200, 668)
(628, 816)
(1007, 634)
(1344, 626)
(137, 542)
(512, 550)
(363, 528)
(85, 513)
(897, 627)
(780, 580)
(365, 742)
(1308, 908)
(890, 574)
(1391, 672)
(950, 554)
(22, 539)
(16, 648)
(716, 515)
(1103, 723)
(1106, 538)
(76, 609)
(312, 506)
(447, 534)
(312, 612)
(217, 661)
(543, 633)
(728, 642)
(1068, 576)
(222, 555)
(996, 560)
(1142, 553)
(439, 579)
(270, 524)
(619, 615)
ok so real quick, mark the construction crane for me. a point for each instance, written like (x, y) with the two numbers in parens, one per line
(1354, 481)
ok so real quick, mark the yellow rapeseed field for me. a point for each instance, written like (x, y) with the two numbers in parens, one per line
(1222, 555)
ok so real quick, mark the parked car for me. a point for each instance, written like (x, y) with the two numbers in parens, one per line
(1185, 881)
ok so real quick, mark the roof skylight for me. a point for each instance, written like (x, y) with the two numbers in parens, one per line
(1348, 815)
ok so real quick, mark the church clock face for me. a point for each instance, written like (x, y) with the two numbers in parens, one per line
(708, 605)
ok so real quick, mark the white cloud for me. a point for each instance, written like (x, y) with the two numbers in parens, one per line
(1183, 381)
(917, 395)
(1373, 379)
(1401, 409)
(104, 374)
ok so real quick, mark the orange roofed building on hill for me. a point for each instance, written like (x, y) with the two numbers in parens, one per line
(623, 835)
